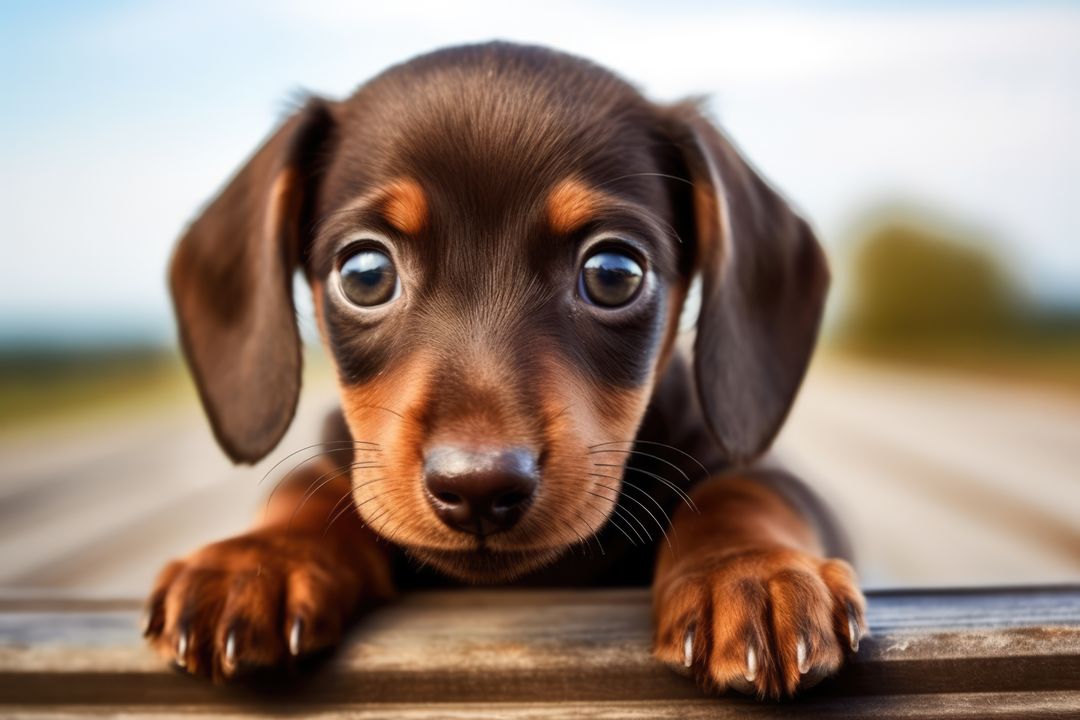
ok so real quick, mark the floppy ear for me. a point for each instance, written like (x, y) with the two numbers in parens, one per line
(231, 283)
(764, 280)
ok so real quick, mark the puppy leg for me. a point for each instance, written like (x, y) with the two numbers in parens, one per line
(287, 588)
(748, 600)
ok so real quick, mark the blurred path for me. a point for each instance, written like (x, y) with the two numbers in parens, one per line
(98, 509)
(943, 480)
(940, 480)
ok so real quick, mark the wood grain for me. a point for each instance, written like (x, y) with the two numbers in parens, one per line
(525, 654)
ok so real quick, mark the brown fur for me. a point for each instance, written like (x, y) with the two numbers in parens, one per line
(765, 585)
(487, 174)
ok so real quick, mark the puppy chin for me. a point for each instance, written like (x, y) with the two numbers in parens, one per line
(484, 566)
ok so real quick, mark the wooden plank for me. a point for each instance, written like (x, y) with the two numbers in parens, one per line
(950, 705)
(1003, 652)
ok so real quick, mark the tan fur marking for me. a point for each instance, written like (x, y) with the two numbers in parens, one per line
(390, 496)
(405, 206)
(570, 204)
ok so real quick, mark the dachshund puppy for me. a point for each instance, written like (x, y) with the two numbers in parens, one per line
(500, 241)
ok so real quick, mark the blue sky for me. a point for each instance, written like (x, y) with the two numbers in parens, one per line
(121, 118)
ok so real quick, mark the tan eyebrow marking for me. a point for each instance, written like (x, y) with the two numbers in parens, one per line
(405, 205)
(570, 204)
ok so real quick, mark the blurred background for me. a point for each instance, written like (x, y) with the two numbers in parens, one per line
(933, 144)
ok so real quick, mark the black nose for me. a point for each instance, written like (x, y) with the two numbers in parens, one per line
(480, 491)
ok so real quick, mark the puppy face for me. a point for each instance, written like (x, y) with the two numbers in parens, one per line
(526, 277)
(499, 240)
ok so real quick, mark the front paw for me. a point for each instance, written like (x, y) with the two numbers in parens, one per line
(765, 622)
(256, 601)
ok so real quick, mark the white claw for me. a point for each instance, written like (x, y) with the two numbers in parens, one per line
(230, 649)
(751, 664)
(181, 649)
(688, 649)
(853, 633)
(800, 655)
(294, 638)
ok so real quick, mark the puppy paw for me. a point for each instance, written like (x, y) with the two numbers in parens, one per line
(762, 622)
(257, 601)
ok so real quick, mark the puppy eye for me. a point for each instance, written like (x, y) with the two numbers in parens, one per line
(368, 278)
(610, 278)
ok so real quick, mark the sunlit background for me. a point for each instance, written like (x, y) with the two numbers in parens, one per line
(934, 145)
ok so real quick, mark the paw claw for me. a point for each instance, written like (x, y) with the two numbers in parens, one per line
(223, 615)
(294, 636)
(182, 648)
(853, 632)
(751, 664)
(230, 650)
(787, 620)
(801, 656)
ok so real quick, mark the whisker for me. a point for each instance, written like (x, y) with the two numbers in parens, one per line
(595, 533)
(682, 494)
(393, 533)
(621, 512)
(332, 475)
(648, 455)
(338, 504)
(343, 445)
(626, 511)
(320, 482)
(378, 515)
(349, 494)
(355, 507)
(341, 502)
(704, 470)
(386, 521)
(652, 215)
(277, 486)
(558, 497)
(646, 174)
(643, 507)
(582, 543)
(337, 515)
(611, 519)
(663, 529)
(392, 412)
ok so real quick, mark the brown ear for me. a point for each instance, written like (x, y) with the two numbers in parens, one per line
(763, 285)
(231, 283)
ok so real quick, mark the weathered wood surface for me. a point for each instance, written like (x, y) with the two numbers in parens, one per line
(525, 654)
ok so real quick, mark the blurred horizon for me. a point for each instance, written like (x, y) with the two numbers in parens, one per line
(131, 114)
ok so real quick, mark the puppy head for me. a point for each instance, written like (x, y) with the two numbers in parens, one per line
(499, 240)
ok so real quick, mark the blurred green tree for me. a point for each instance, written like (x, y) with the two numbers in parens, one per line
(917, 285)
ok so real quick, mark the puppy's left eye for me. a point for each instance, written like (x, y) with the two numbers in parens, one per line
(610, 278)
(368, 278)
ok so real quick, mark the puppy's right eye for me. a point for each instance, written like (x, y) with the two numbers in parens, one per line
(368, 278)
(610, 278)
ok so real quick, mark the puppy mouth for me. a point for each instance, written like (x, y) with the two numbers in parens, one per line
(483, 565)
